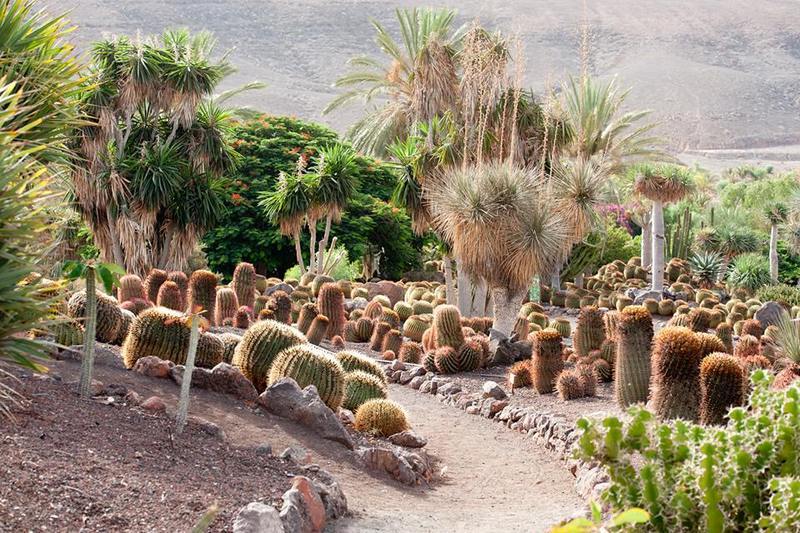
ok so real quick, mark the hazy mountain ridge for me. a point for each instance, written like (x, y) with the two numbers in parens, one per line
(716, 73)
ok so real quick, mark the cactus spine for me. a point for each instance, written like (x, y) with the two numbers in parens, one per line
(447, 326)
(281, 305)
(722, 386)
(259, 346)
(182, 281)
(309, 365)
(410, 352)
(632, 364)
(415, 326)
(676, 374)
(364, 327)
(393, 340)
(242, 318)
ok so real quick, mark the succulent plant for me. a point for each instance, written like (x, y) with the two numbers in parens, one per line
(130, 287)
(229, 342)
(352, 361)
(318, 329)
(226, 305)
(346, 287)
(710, 343)
(786, 377)
(169, 296)
(603, 370)
(410, 352)
(447, 327)
(260, 303)
(422, 308)
(360, 387)
(381, 417)
(470, 355)
(307, 314)
(520, 375)
(632, 364)
(429, 340)
(350, 334)
(266, 314)
(310, 365)
(202, 295)
(589, 332)
(725, 333)
(127, 322)
(109, 314)
(546, 362)
(666, 307)
(378, 333)
(562, 326)
(331, 304)
(393, 340)
(752, 327)
(429, 361)
(67, 332)
(244, 284)
(415, 326)
(623, 302)
(746, 346)
(588, 377)
(722, 386)
(391, 317)
(569, 385)
(403, 310)
(182, 281)
(373, 310)
(364, 328)
(447, 360)
(164, 333)
(259, 346)
(241, 319)
(676, 374)
(153, 282)
(280, 304)
(135, 306)
(318, 282)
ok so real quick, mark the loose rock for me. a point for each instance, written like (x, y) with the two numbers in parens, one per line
(257, 517)
(408, 439)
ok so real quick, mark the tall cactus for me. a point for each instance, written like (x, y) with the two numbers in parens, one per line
(130, 287)
(589, 332)
(182, 281)
(281, 305)
(307, 314)
(202, 296)
(309, 365)
(259, 346)
(226, 305)
(169, 296)
(632, 364)
(547, 361)
(244, 284)
(722, 386)
(378, 333)
(153, 282)
(676, 374)
(447, 325)
(331, 304)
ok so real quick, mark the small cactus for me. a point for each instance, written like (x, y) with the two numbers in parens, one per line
(373, 310)
(360, 387)
(569, 385)
(547, 362)
(381, 417)
(429, 362)
(722, 386)
(422, 308)
(307, 314)
(280, 304)
(364, 327)
(725, 333)
(309, 365)
(410, 352)
(415, 326)
(318, 329)
(318, 282)
(753, 327)
(589, 332)
(563, 327)
(130, 287)
(470, 355)
(352, 361)
(519, 375)
(67, 333)
(403, 310)
(393, 340)
(746, 346)
(447, 360)
(350, 334)
(136, 306)
(447, 325)
(229, 342)
(241, 319)
(391, 317)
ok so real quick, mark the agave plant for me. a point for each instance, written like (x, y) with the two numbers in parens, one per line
(749, 271)
(707, 268)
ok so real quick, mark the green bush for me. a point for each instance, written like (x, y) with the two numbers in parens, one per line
(788, 264)
(269, 145)
(690, 477)
(749, 271)
(783, 294)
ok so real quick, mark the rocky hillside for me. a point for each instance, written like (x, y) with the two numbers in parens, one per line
(717, 73)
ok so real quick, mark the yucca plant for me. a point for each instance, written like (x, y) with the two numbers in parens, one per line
(750, 272)
(417, 83)
(707, 268)
(788, 338)
(661, 183)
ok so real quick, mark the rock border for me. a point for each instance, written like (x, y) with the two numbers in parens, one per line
(551, 431)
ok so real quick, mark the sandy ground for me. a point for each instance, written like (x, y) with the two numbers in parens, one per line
(493, 479)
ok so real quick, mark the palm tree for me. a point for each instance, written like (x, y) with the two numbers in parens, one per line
(148, 179)
(776, 214)
(662, 183)
(418, 83)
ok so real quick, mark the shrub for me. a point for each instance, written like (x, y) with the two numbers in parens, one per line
(783, 294)
(749, 272)
(693, 478)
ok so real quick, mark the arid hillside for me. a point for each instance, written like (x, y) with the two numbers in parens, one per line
(719, 74)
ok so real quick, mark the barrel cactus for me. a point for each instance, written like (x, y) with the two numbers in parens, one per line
(169, 296)
(307, 314)
(67, 332)
(309, 365)
(546, 362)
(429, 361)
(391, 316)
(722, 386)
(136, 306)
(229, 342)
(753, 327)
(127, 322)
(415, 326)
(109, 314)
(410, 352)
(281, 305)
(241, 319)
(244, 284)
(318, 282)
(393, 340)
(563, 327)
(182, 281)
(153, 282)
(331, 304)
(666, 308)
(403, 310)
(569, 385)
(378, 333)
(352, 361)
(260, 303)
(202, 296)
(130, 287)
(226, 305)
(710, 343)
(447, 360)
(447, 325)
(364, 327)
(318, 329)
(373, 310)
(421, 307)
(676, 374)
(746, 346)
(470, 355)
(381, 417)
(520, 375)
(589, 331)
(259, 346)
(360, 387)
(164, 333)
(632, 364)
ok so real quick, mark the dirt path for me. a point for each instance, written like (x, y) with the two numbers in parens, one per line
(494, 479)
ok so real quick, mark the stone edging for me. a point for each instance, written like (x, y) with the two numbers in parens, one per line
(552, 432)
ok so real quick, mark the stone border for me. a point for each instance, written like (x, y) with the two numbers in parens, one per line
(552, 432)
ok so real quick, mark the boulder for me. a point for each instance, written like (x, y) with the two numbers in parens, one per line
(257, 517)
(408, 439)
(285, 287)
(153, 366)
(769, 314)
(640, 295)
(407, 468)
(285, 399)
(391, 290)
(492, 390)
(223, 378)
(302, 510)
(297, 455)
(333, 498)
(355, 303)
(154, 404)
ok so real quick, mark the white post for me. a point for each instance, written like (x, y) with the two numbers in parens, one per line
(183, 402)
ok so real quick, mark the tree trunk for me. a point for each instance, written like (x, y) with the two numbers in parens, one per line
(647, 245)
(186, 383)
(90, 326)
(163, 258)
(555, 279)
(506, 306)
(579, 280)
(298, 251)
(658, 246)
(479, 299)
(773, 253)
(447, 261)
(312, 245)
(464, 290)
(323, 245)
(116, 247)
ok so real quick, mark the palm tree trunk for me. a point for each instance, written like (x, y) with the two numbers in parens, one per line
(323, 244)
(506, 306)
(298, 251)
(312, 228)
(464, 290)
(773, 253)
(186, 383)
(163, 257)
(658, 246)
(479, 299)
(90, 326)
(448, 279)
(555, 279)
(116, 246)
(647, 245)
